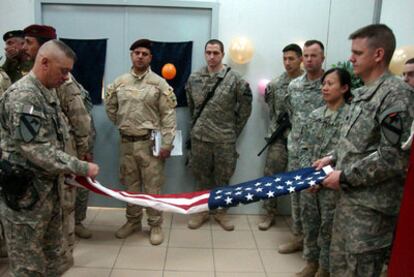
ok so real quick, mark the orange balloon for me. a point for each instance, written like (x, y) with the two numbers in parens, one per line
(168, 71)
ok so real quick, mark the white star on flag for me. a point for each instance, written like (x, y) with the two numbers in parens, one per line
(291, 189)
(297, 177)
(249, 196)
(270, 194)
(228, 200)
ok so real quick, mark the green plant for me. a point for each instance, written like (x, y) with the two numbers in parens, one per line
(356, 82)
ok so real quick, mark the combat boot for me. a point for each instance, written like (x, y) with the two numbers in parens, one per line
(156, 235)
(322, 272)
(222, 220)
(197, 220)
(294, 245)
(82, 232)
(268, 222)
(127, 229)
(309, 270)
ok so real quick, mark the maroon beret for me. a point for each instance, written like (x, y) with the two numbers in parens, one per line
(146, 43)
(40, 31)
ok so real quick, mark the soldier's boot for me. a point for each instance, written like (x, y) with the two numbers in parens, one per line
(197, 220)
(82, 232)
(309, 270)
(223, 221)
(322, 272)
(127, 229)
(156, 235)
(294, 245)
(268, 222)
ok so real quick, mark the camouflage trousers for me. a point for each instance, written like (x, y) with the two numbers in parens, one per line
(81, 204)
(317, 214)
(361, 240)
(141, 172)
(212, 164)
(293, 164)
(68, 197)
(276, 162)
(34, 248)
(2, 238)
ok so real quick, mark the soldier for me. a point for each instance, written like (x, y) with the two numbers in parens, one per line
(216, 127)
(16, 64)
(303, 97)
(276, 90)
(319, 139)
(33, 134)
(370, 164)
(139, 103)
(408, 75)
(79, 121)
(5, 81)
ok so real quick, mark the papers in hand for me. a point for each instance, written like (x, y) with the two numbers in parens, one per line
(177, 143)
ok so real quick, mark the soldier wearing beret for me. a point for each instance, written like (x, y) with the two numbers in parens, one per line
(16, 64)
(139, 102)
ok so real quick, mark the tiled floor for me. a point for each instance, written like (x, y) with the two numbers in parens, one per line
(206, 252)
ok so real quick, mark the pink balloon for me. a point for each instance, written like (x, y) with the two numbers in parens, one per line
(262, 86)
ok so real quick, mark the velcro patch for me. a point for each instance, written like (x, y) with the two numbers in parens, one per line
(29, 127)
(391, 128)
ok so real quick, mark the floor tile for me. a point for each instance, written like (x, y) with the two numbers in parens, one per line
(97, 256)
(189, 259)
(240, 222)
(240, 274)
(87, 272)
(144, 258)
(141, 238)
(237, 260)
(190, 238)
(111, 217)
(102, 234)
(281, 263)
(188, 274)
(135, 273)
(271, 240)
(234, 239)
(280, 223)
(91, 213)
(179, 221)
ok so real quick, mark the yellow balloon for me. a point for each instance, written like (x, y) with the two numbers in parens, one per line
(241, 50)
(401, 55)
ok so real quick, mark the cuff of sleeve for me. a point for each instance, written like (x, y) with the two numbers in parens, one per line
(343, 180)
(80, 168)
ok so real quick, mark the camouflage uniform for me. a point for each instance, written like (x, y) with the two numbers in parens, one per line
(276, 158)
(214, 135)
(34, 235)
(138, 104)
(79, 122)
(304, 96)
(5, 81)
(319, 139)
(373, 167)
(16, 69)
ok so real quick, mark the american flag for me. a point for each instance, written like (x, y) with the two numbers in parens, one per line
(263, 188)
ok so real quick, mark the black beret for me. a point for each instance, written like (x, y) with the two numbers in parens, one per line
(13, 34)
(40, 31)
(146, 43)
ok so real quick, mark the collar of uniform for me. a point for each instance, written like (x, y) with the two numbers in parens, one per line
(49, 94)
(219, 74)
(140, 77)
(369, 89)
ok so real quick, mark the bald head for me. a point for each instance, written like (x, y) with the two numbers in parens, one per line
(53, 63)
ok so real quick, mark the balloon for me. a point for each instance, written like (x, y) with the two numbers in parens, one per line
(241, 50)
(401, 55)
(262, 86)
(168, 71)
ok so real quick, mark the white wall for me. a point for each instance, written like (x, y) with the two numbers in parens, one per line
(271, 24)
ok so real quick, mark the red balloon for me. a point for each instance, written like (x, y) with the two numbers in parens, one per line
(168, 71)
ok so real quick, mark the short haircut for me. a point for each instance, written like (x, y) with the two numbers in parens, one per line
(379, 36)
(410, 61)
(314, 41)
(42, 41)
(344, 79)
(215, 41)
(65, 49)
(293, 47)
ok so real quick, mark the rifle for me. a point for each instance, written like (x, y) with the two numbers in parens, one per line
(283, 124)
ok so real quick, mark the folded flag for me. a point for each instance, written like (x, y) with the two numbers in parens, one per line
(263, 188)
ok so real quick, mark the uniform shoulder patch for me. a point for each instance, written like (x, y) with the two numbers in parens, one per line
(171, 98)
(29, 123)
(391, 128)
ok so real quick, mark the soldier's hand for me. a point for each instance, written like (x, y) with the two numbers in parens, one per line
(315, 189)
(318, 164)
(164, 154)
(332, 180)
(93, 170)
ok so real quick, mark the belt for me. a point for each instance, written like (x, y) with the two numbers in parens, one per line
(126, 138)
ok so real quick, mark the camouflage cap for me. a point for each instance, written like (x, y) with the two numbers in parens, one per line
(40, 31)
(146, 43)
(13, 34)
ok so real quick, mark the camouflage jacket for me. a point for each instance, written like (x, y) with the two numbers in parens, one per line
(321, 135)
(34, 132)
(15, 69)
(79, 120)
(275, 94)
(139, 104)
(304, 96)
(5, 81)
(369, 154)
(226, 113)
